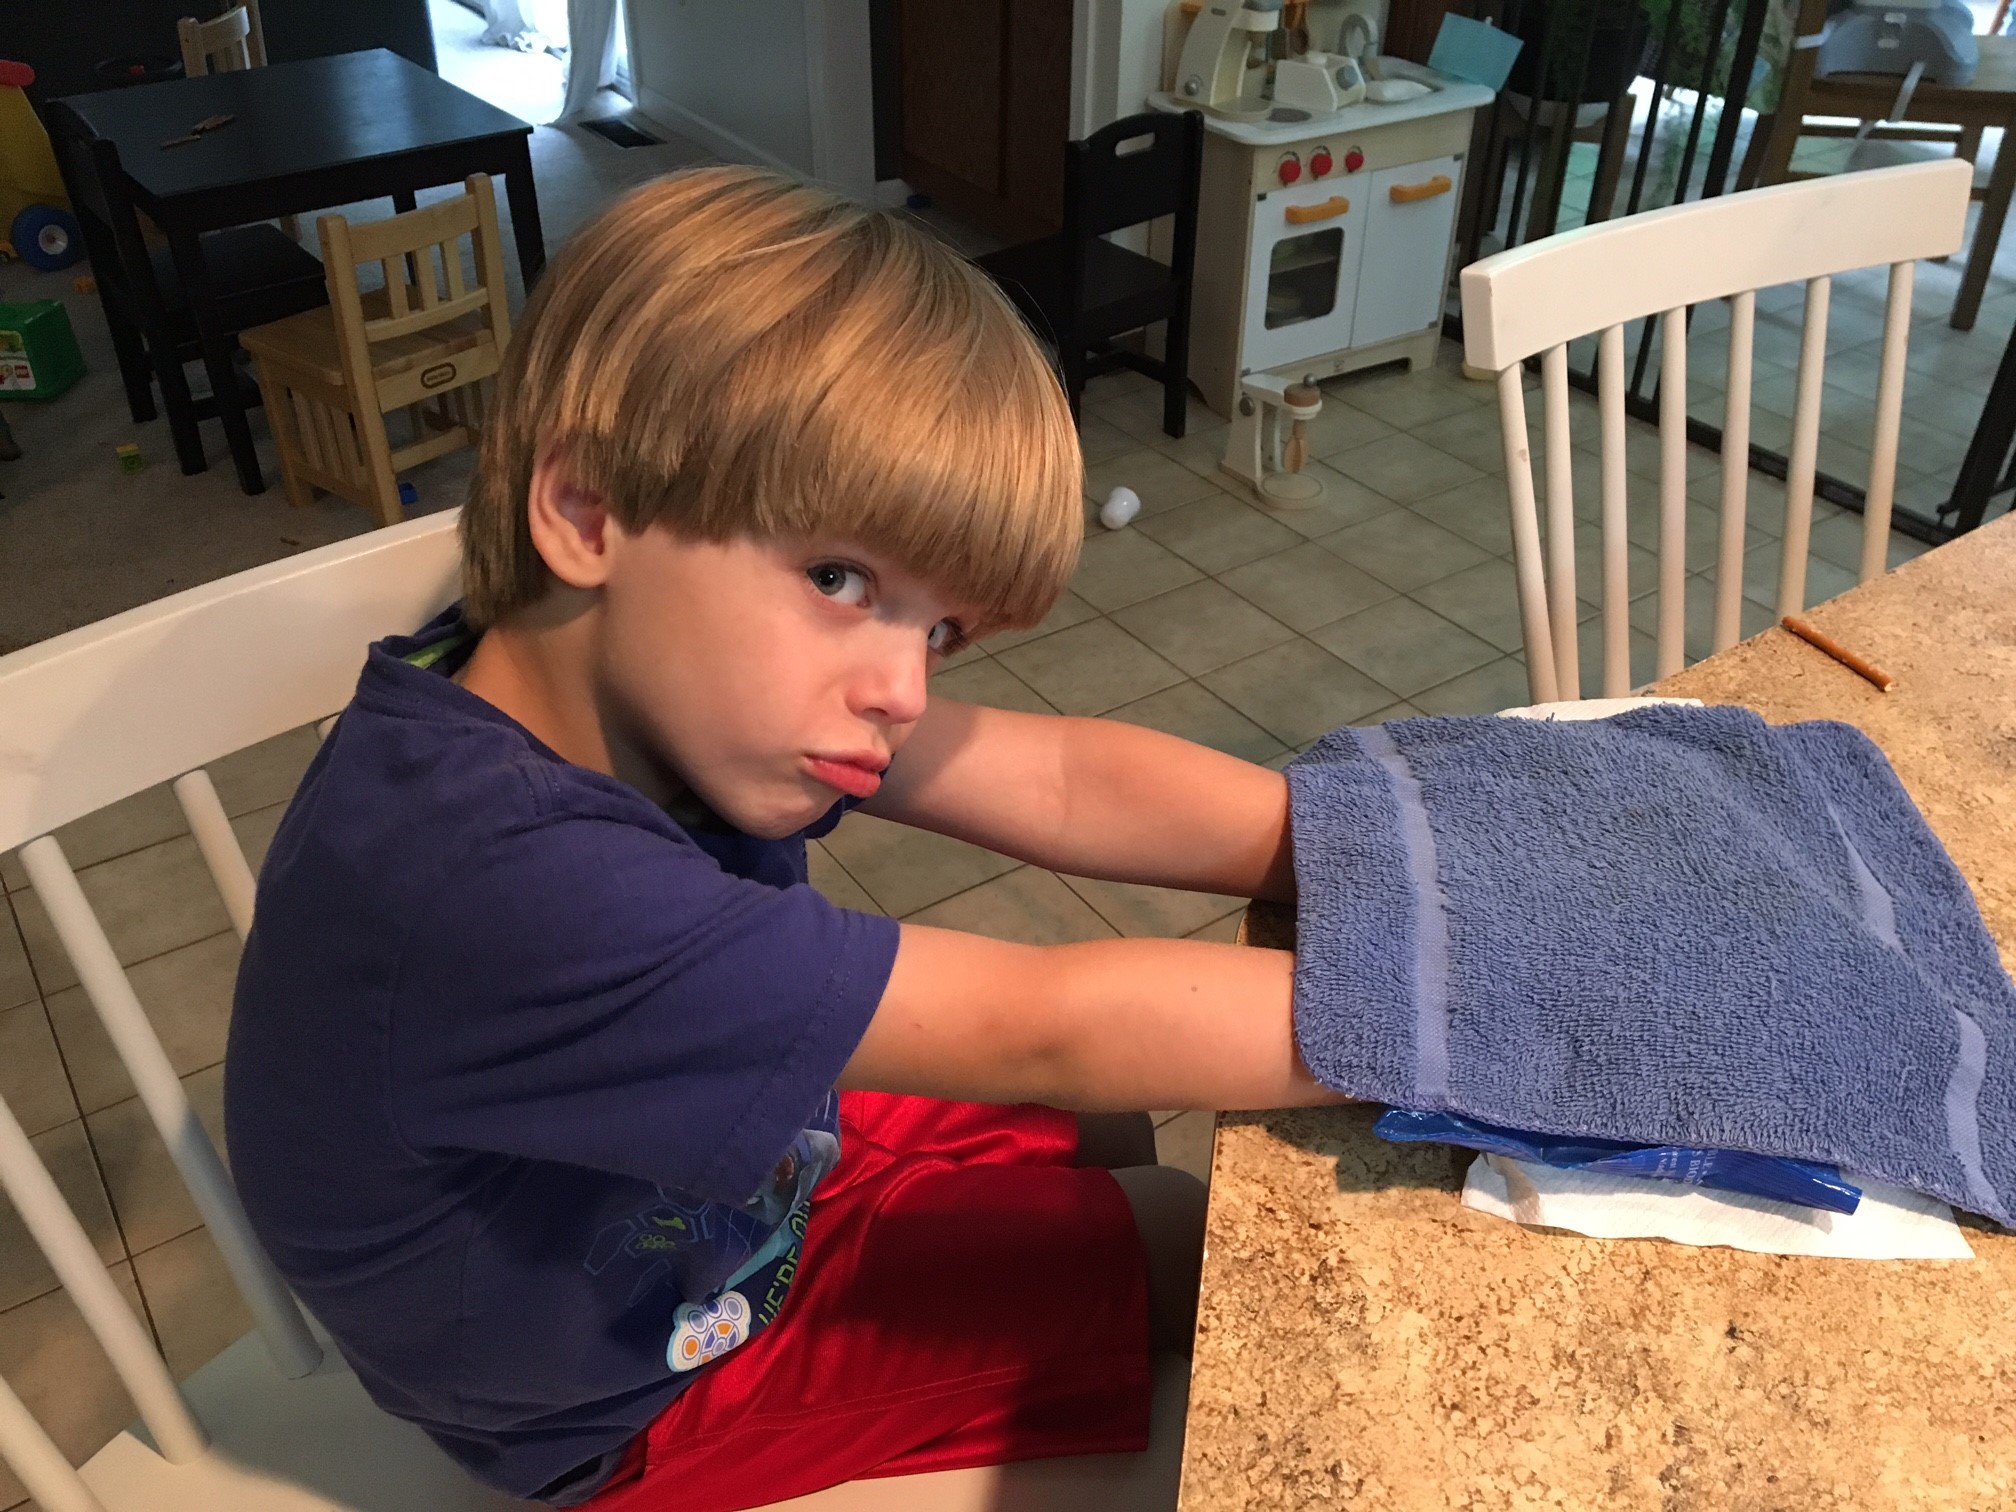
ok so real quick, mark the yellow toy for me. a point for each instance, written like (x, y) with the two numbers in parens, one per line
(41, 231)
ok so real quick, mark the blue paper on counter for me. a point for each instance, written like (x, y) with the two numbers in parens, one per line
(1470, 50)
(1796, 1181)
(1679, 926)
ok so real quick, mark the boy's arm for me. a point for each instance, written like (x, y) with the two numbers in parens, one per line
(1094, 797)
(1109, 1025)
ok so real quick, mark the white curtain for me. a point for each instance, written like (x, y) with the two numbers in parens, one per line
(591, 53)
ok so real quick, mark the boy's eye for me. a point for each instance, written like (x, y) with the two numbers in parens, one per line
(848, 585)
(946, 637)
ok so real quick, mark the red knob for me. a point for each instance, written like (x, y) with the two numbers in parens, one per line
(1319, 161)
(1291, 168)
(1353, 160)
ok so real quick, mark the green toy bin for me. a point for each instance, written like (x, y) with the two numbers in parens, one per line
(38, 350)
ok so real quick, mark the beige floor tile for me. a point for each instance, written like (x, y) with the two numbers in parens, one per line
(972, 651)
(1069, 610)
(1403, 550)
(147, 902)
(1306, 586)
(1472, 434)
(1838, 539)
(1191, 711)
(1404, 399)
(132, 824)
(1477, 511)
(255, 832)
(186, 994)
(1344, 501)
(1764, 500)
(1100, 439)
(1139, 413)
(988, 682)
(1133, 909)
(1403, 468)
(1090, 668)
(17, 981)
(1589, 652)
(1483, 599)
(1698, 617)
(1400, 710)
(1824, 579)
(1494, 686)
(147, 1193)
(1122, 567)
(1029, 906)
(1404, 646)
(904, 869)
(49, 1357)
(1223, 931)
(834, 882)
(1219, 532)
(1160, 480)
(1185, 1143)
(266, 773)
(1339, 427)
(1297, 690)
(1201, 626)
(196, 1307)
(32, 1079)
(1202, 452)
(66, 1152)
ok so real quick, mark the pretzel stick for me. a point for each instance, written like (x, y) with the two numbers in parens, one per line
(1856, 664)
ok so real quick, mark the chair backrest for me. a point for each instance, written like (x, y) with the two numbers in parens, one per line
(102, 713)
(1594, 280)
(231, 43)
(1137, 169)
(420, 253)
(96, 184)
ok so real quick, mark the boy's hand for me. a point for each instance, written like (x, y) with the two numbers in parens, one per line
(1108, 1025)
(1094, 797)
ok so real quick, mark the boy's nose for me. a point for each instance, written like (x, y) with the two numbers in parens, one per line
(892, 689)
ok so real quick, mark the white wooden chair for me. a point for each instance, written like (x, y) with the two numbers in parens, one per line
(1593, 281)
(278, 1423)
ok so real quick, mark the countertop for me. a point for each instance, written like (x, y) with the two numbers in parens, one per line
(1365, 1342)
(1447, 95)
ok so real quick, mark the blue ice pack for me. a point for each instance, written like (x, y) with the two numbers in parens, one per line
(1773, 1176)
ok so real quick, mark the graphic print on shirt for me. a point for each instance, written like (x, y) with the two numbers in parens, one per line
(703, 1251)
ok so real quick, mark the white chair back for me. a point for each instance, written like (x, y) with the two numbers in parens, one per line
(102, 713)
(1536, 299)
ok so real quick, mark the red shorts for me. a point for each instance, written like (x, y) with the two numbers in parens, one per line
(966, 1297)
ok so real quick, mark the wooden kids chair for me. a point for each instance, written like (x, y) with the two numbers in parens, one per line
(427, 343)
(232, 42)
(1535, 299)
(278, 1422)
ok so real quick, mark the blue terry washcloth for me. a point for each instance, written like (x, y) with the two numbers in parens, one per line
(1677, 926)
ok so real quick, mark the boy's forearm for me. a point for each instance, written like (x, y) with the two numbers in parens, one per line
(1107, 1025)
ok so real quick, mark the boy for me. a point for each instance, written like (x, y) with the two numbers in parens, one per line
(609, 1152)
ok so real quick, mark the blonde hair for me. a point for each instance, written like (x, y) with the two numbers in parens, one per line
(727, 352)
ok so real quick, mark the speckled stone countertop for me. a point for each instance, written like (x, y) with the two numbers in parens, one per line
(1365, 1342)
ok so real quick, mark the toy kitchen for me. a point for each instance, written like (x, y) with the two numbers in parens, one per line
(1326, 220)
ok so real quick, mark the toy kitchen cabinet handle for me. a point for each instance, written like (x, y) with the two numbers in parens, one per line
(1330, 209)
(1407, 194)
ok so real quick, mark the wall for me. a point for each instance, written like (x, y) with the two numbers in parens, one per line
(781, 82)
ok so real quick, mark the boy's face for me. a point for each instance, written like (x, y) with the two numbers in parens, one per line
(771, 678)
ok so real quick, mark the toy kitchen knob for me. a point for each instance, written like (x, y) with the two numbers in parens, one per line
(1353, 160)
(1289, 168)
(1320, 162)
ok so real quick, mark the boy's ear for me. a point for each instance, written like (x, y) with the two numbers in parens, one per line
(571, 528)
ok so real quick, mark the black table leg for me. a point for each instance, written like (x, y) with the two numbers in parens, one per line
(524, 201)
(1988, 452)
(402, 201)
(217, 349)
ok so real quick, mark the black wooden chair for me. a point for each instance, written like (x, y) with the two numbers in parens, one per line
(1081, 291)
(260, 274)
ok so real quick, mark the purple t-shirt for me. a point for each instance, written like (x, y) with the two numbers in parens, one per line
(529, 1084)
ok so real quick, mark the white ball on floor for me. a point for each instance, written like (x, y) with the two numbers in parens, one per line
(1121, 506)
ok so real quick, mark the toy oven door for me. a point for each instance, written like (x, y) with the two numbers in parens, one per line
(1302, 273)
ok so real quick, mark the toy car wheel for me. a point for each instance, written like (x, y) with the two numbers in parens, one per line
(47, 238)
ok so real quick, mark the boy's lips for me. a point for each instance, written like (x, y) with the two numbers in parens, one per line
(856, 774)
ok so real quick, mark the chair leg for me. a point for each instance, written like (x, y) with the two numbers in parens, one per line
(183, 427)
(379, 480)
(1071, 359)
(1987, 234)
(1176, 369)
(279, 406)
(1610, 159)
(1779, 147)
